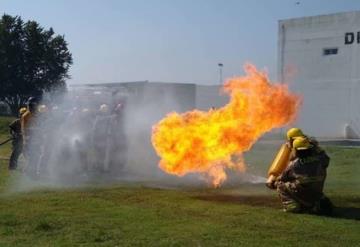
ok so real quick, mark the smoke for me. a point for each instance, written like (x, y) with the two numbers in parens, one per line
(95, 135)
(99, 135)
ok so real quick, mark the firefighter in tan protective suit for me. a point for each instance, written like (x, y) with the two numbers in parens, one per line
(300, 185)
(287, 154)
(29, 130)
(17, 140)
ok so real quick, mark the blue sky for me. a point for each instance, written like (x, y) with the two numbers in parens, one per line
(168, 40)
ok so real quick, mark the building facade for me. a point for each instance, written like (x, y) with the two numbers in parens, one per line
(320, 58)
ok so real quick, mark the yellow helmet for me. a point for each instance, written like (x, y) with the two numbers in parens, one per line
(22, 110)
(302, 143)
(294, 132)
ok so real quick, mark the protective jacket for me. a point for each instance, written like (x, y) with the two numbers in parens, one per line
(303, 180)
(15, 129)
(17, 143)
(25, 124)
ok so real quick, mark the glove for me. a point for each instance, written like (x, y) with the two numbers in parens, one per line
(271, 183)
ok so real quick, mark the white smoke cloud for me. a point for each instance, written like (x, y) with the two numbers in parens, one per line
(69, 149)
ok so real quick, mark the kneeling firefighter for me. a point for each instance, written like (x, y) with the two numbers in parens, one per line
(296, 132)
(287, 154)
(300, 184)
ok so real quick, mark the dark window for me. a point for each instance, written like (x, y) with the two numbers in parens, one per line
(330, 51)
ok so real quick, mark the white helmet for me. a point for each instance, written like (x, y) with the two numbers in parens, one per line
(104, 108)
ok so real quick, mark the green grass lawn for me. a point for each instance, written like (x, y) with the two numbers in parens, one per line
(135, 215)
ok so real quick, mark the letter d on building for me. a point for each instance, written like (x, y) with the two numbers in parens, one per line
(349, 38)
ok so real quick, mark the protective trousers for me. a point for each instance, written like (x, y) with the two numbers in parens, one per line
(17, 147)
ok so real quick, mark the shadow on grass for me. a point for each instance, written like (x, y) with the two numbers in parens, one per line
(347, 213)
(273, 202)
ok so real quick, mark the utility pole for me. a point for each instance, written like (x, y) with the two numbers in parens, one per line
(220, 65)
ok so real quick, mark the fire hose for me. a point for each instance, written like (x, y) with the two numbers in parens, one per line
(6, 141)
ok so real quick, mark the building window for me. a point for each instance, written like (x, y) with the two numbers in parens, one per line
(330, 51)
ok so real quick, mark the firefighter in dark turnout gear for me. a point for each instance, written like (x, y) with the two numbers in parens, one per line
(296, 132)
(17, 140)
(301, 184)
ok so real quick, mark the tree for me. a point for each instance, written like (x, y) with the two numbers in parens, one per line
(33, 60)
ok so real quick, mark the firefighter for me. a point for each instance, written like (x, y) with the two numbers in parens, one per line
(17, 140)
(300, 186)
(27, 117)
(296, 132)
(291, 134)
(101, 138)
(42, 134)
(31, 145)
(118, 141)
(82, 127)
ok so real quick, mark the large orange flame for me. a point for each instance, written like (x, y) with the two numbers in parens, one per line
(206, 142)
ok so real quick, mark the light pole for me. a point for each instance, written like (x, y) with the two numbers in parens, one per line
(220, 65)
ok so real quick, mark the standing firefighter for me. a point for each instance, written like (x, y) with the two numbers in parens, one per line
(300, 185)
(81, 126)
(29, 131)
(27, 119)
(41, 134)
(101, 138)
(117, 150)
(17, 140)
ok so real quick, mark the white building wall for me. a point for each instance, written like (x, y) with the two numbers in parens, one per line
(330, 84)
